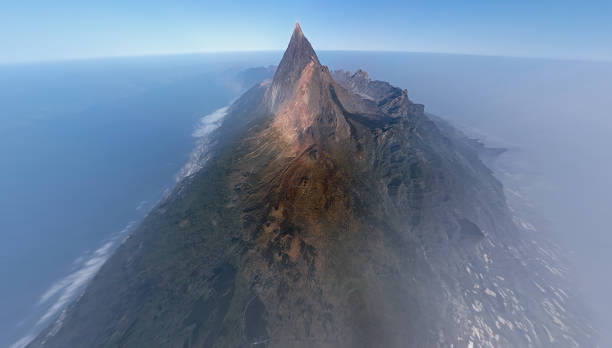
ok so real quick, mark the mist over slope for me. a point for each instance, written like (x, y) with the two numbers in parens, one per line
(554, 118)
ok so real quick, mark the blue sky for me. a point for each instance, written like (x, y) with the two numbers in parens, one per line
(63, 29)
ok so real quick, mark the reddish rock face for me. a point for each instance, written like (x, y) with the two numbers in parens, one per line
(310, 107)
(301, 98)
(298, 55)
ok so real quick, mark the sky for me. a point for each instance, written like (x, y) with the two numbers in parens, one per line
(65, 29)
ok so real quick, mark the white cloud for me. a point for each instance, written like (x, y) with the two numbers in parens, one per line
(65, 289)
(201, 152)
(142, 204)
(210, 122)
(22, 342)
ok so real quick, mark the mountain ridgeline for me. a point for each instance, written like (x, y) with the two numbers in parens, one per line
(333, 212)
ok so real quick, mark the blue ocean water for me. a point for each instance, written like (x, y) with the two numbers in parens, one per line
(87, 147)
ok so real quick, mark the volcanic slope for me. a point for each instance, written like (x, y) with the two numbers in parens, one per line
(333, 212)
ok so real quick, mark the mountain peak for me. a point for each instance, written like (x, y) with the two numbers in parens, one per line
(297, 30)
(299, 52)
(297, 56)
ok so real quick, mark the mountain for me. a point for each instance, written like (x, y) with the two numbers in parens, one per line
(332, 211)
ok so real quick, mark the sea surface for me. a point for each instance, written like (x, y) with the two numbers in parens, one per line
(88, 146)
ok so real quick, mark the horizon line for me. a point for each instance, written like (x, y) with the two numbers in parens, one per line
(169, 54)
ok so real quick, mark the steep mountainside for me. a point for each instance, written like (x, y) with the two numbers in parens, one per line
(333, 213)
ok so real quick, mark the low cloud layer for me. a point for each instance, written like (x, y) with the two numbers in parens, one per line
(201, 152)
(64, 290)
(210, 122)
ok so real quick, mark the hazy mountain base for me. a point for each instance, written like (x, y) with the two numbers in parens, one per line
(397, 235)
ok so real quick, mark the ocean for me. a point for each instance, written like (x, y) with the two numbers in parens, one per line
(86, 148)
